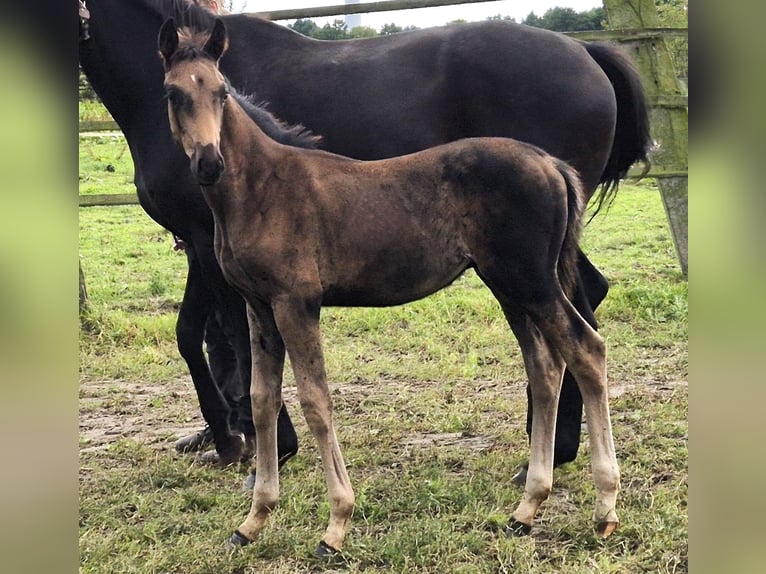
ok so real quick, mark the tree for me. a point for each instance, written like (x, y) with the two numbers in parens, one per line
(567, 19)
(675, 14)
(305, 27)
(362, 32)
(335, 31)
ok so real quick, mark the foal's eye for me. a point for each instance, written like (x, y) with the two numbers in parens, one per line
(173, 97)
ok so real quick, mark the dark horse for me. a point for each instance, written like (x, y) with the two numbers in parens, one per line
(369, 99)
(296, 229)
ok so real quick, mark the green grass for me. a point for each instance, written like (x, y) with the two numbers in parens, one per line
(92, 110)
(399, 376)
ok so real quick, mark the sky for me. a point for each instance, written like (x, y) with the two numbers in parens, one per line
(422, 18)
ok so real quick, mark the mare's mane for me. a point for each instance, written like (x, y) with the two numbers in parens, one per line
(190, 48)
(184, 12)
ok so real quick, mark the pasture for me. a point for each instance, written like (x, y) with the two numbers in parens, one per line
(429, 404)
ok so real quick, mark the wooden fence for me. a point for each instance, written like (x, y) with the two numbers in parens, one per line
(633, 23)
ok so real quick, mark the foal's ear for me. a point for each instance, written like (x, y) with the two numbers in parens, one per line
(218, 41)
(167, 41)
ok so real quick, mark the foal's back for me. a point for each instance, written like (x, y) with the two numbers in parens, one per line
(391, 231)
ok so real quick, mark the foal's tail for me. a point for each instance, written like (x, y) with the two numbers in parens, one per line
(632, 140)
(567, 265)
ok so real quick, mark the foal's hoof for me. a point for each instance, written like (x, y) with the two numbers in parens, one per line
(604, 529)
(324, 550)
(238, 540)
(516, 528)
(520, 478)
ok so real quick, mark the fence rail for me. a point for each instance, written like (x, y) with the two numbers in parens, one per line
(362, 8)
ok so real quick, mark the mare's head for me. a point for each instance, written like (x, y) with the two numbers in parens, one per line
(196, 93)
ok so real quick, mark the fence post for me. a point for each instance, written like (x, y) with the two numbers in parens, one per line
(83, 291)
(669, 120)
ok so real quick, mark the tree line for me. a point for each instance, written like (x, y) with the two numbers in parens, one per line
(557, 19)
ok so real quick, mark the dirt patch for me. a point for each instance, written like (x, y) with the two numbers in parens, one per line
(157, 414)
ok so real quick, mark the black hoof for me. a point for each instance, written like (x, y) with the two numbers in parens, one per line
(195, 442)
(520, 478)
(237, 540)
(324, 550)
(516, 528)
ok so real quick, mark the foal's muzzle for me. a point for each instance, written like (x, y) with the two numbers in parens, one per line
(207, 165)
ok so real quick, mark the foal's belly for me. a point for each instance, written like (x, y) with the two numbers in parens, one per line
(386, 285)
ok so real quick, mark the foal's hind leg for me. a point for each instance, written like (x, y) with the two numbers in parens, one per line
(585, 354)
(591, 289)
(545, 368)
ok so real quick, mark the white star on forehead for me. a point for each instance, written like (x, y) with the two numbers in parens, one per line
(193, 78)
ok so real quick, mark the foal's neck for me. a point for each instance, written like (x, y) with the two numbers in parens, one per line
(242, 140)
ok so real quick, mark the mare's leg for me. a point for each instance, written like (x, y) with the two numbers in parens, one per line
(268, 352)
(298, 321)
(223, 363)
(591, 290)
(190, 328)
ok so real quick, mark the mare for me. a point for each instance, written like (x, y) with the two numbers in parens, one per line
(371, 99)
(296, 229)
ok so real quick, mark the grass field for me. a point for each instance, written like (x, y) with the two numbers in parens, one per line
(429, 401)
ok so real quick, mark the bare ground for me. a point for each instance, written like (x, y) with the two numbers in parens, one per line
(157, 414)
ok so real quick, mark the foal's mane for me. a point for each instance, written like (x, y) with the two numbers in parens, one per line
(293, 135)
(190, 48)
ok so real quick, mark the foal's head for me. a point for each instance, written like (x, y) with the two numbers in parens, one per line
(196, 93)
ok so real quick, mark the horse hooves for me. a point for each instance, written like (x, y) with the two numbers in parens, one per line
(249, 483)
(238, 540)
(324, 550)
(516, 528)
(604, 529)
(520, 478)
(227, 456)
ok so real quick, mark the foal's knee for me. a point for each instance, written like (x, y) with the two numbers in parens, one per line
(265, 404)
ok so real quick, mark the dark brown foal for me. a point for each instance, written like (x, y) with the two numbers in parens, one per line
(296, 229)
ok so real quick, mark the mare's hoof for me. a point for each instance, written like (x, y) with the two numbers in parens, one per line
(238, 540)
(249, 483)
(232, 453)
(195, 442)
(516, 528)
(604, 529)
(520, 478)
(324, 550)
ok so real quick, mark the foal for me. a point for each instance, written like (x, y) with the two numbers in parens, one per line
(296, 229)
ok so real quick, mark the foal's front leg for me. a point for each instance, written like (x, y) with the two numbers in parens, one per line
(268, 351)
(298, 322)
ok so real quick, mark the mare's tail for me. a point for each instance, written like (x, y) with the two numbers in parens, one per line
(632, 140)
(567, 265)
